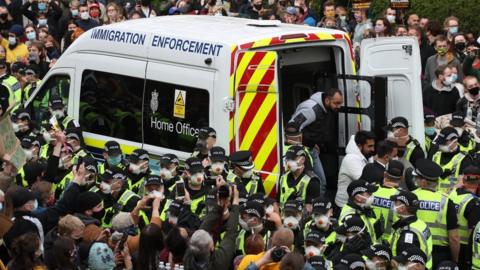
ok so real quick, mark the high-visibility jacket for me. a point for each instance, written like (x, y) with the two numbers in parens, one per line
(476, 247)
(329, 240)
(433, 211)
(369, 221)
(240, 241)
(410, 147)
(5, 80)
(469, 147)
(383, 208)
(461, 202)
(447, 183)
(117, 207)
(421, 230)
(299, 190)
(251, 187)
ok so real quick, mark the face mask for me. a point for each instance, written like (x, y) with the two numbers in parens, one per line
(35, 205)
(32, 36)
(292, 165)
(442, 51)
(134, 168)
(99, 215)
(343, 18)
(64, 162)
(33, 57)
(368, 201)
(84, 15)
(105, 188)
(371, 265)
(28, 154)
(460, 46)
(269, 209)
(218, 14)
(12, 41)
(247, 174)
(291, 222)
(448, 148)
(341, 238)
(474, 91)
(16, 127)
(42, 22)
(217, 168)
(166, 174)
(1, 207)
(196, 179)
(311, 251)
(379, 29)
(453, 30)
(74, 12)
(115, 160)
(243, 224)
(173, 220)
(391, 18)
(454, 77)
(402, 267)
(430, 131)
(258, 6)
(448, 81)
(42, 6)
(322, 222)
(58, 114)
(256, 229)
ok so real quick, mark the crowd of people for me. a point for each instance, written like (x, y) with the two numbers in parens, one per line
(398, 203)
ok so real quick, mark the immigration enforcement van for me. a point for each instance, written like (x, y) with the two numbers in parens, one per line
(152, 83)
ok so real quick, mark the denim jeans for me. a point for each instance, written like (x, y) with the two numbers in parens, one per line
(318, 170)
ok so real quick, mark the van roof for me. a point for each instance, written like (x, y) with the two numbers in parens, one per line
(215, 29)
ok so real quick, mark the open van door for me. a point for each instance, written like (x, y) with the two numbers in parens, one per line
(256, 118)
(397, 58)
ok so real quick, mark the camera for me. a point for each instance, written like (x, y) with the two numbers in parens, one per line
(278, 253)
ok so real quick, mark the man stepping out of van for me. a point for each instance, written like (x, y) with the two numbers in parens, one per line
(317, 119)
(409, 149)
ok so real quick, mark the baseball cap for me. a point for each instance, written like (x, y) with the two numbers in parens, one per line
(318, 263)
(217, 153)
(412, 254)
(458, 119)
(174, 10)
(113, 148)
(353, 261)
(257, 197)
(295, 151)
(242, 159)
(153, 179)
(193, 165)
(254, 208)
(395, 169)
(114, 173)
(429, 118)
(73, 133)
(321, 205)
(29, 141)
(406, 197)
(447, 265)
(206, 132)
(137, 155)
(56, 102)
(398, 122)
(316, 236)
(21, 114)
(90, 164)
(427, 169)
(360, 186)
(21, 196)
(446, 134)
(168, 159)
(18, 67)
(351, 224)
(174, 208)
(292, 205)
(471, 174)
(378, 250)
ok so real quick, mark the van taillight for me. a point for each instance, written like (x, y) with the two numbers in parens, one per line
(292, 36)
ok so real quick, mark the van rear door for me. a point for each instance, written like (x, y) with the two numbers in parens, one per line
(397, 58)
(256, 118)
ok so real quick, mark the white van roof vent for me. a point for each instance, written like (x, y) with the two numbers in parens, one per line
(265, 23)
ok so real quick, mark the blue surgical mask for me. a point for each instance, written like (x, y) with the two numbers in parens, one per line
(42, 6)
(32, 36)
(114, 160)
(430, 131)
(453, 30)
(1, 207)
(74, 12)
(454, 77)
(42, 22)
(35, 205)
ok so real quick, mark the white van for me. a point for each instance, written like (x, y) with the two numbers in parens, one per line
(152, 83)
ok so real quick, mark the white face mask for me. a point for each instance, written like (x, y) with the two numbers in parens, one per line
(292, 165)
(134, 168)
(105, 188)
(291, 222)
(459, 131)
(166, 173)
(156, 194)
(311, 251)
(173, 220)
(12, 40)
(243, 224)
(247, 174)
(16, 127)
(58, 114)
(368, 201)
(448, 148)
(84, 15)
(322, 221)
(197, 179)
(391, 18)
(47, 137)
(256, 229)
(269, 209)
(448, 81)
(28, 154)
(217, 168)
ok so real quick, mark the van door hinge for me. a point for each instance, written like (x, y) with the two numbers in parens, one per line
(228, 104)
(408, 49)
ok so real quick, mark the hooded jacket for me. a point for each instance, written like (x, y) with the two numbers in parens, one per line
(440, 100)
(350, 170)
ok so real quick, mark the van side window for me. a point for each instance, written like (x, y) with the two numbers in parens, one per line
(56, 85)
(173, 114)
(110, 105)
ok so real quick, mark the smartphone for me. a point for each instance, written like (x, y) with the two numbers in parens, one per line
(122, 242)
(180, 189)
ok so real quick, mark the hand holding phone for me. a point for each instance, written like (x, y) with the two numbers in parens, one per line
(180, 189)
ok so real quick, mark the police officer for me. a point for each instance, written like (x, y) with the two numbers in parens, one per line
(169, 172)
(293, 219)
(359, 203)
(476, 247)
(207, 137)
(437, 211)
(218, 167)
(4, 96)
(430, 130)
(91, 168)
(22, 124)
(316, 118)
(352, 236)
(11, 83)
(242, 173)
(293, 136)
(382, 205)
(251, 221)
(315, 244)
(409, 149)
(377, 257)
(75, 140)
(322, 212)
(138, 169)
(153, 188)
(449, 158)
(297, 183)
(466, 141)
(32, 81)
(116, 196)
(468, 212)
(113, 156)
(57, 109)
(409, 230)
(411, 258)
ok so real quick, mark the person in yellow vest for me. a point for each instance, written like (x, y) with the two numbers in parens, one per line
(49, 140)
(468, 212)
(430, 130)
(296, 183)
(31, 80)
(293, 136)
(408, 147)
(115, 195)
(448, 156)
(315, 244)
(382, 205)
(360, 203)
(91, 176)
(242, 173)
(377, 257)
(57, 108)
(251, 222)
(476, 247)
(466, 140)
(138, 169)
(75, 140)
(437, 211)
(153, 186)
(322, 212)
(411, 258)
(206, 139)
(16, 50)
(113, 156)
(218, 167)
(4, 99)
(169, 172)
(292, 218)
(318, 262)
(22, 124)
(409, 230)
